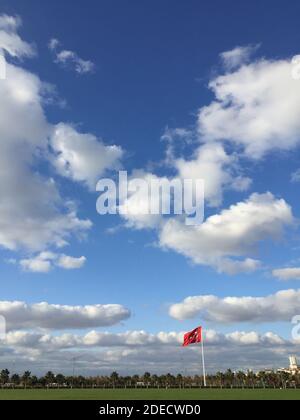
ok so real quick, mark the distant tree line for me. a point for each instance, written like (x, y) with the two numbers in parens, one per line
(228, 379)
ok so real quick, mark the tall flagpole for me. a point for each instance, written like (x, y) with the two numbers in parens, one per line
(203, 363)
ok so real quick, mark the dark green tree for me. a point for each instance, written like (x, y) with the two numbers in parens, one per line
(26, 378)
(4, 376)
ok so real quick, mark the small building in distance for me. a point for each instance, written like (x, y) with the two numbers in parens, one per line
(293, 368)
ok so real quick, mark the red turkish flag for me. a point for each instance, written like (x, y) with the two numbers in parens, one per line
(192, 337)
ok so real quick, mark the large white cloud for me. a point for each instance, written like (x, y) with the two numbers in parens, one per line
(255, 107)
(20, 315)
(33, 214)
(234, 233)
(281, 306)
(82, 157)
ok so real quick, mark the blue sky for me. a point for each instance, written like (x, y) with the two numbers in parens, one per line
(152, 63)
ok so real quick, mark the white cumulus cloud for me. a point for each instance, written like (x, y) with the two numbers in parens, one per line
(255, 107)
(280, 306)
(224, 238)
(70, 263)
(20, 315)
(33, 214)
(82, 157)
(46, 261)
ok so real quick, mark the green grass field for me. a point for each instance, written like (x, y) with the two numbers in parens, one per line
(151, 394)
